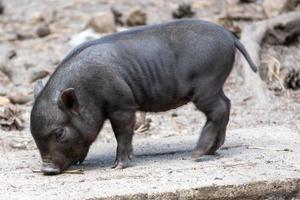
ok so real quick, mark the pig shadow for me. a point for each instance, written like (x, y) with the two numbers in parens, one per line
(105, 161)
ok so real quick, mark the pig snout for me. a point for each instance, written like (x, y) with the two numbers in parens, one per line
(50, 169)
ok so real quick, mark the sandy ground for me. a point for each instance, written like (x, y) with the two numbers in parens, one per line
(255, 159)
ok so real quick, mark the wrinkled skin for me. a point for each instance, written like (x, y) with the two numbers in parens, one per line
(149, 69)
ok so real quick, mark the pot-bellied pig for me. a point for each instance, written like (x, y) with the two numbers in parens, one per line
(151, 69)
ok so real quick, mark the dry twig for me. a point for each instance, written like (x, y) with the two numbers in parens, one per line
(68, 171)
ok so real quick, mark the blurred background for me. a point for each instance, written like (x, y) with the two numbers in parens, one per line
(36, 35)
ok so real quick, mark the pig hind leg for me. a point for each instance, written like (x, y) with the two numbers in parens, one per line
(216, 109)
(123, 126)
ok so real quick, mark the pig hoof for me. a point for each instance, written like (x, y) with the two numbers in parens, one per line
(211, 152)
(121, 165)
(130, 156)
(197, 154)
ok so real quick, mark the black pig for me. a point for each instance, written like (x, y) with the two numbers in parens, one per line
(151, 69)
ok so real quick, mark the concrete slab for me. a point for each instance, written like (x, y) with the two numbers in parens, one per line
(253, 164)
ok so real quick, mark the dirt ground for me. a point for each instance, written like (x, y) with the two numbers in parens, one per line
(253, 164)
(34, 54)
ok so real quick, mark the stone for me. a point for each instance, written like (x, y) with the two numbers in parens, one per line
(118, 16)
(103, 22)
(19, 98)
(4, 101)
(39, 74)
(38, 17)
(11, 54)
(184, 10)
(136, 18)
(43, 30)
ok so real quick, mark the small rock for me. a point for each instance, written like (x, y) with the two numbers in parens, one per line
(286, 149)
(174, 114)
(18, 145)
(23, 36)
(184, 10)
(218, 178)
(43, 30)
(136, 18)
(11, 54)
(19, 98)
(1, 8)
(4, 101)
(292, 80)
(38, 17)
(38, 75)
(103, 22)
(118, 16)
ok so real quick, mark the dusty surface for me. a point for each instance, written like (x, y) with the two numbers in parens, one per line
(259, 156)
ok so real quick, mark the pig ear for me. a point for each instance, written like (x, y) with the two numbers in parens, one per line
(69, 100)
(38, 87)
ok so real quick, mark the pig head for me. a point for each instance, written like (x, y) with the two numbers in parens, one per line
(62, 127)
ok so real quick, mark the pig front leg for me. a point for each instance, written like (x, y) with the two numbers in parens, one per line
(123, 126)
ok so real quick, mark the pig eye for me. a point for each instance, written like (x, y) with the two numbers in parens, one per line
(59, 134)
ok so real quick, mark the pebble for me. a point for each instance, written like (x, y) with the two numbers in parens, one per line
(118, 16)
(184, 10)
(38, 75)
(19, 98)
(43, 30)
(11, 54)
(103, 22)
(4, 101)
(136, 18)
